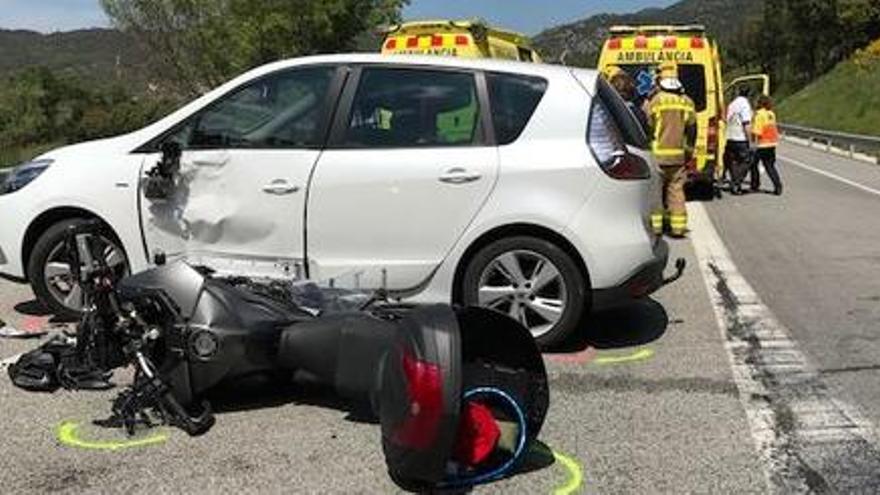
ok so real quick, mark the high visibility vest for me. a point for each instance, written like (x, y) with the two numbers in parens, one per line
(765, 129)
(670, 116)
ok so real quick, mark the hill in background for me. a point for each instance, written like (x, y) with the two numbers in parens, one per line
(845, 99)
(98, 56)
(725, 19)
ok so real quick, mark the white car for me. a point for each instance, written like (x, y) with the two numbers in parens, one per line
(522, 187)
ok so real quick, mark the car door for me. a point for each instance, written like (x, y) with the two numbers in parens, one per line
(409, 165)
(239, 201)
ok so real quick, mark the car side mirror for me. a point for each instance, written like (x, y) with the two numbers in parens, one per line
(169, 164)
(161, 179)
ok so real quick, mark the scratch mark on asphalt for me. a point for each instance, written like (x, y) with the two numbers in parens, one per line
(578, 384)
(809, 441)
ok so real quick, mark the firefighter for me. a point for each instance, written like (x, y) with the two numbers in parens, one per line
(673, 123)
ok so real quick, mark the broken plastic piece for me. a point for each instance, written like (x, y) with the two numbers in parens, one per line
(478, 434)
(9, 332)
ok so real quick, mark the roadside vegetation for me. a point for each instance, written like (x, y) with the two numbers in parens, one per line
(846, 99)
(40, 110)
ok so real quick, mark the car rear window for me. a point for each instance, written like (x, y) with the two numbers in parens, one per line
(514, 100)
(630, 128)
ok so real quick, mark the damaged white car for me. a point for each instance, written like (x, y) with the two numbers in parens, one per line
(521, 187)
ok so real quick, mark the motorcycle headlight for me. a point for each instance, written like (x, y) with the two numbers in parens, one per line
(22, 175)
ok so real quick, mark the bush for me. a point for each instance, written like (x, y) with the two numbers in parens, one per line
(39, 110)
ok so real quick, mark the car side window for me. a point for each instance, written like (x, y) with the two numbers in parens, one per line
(282, 110)
(514, 100)
(403, 108)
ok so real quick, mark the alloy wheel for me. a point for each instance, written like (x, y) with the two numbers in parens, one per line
(58, 275)
(528, 287)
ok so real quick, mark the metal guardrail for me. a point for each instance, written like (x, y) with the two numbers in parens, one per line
(851, 143)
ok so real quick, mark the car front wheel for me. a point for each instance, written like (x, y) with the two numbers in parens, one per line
(531, 280)
(49, 269)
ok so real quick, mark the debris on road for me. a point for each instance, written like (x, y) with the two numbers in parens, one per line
(9, 332)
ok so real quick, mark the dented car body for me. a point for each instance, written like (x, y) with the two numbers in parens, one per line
(419, 175)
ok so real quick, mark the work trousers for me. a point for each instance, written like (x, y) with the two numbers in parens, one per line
(738, 158)
(675, 209)
(767, 157)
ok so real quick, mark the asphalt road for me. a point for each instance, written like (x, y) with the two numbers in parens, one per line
(647, 403)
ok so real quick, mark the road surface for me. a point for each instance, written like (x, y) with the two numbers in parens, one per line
(758, 371)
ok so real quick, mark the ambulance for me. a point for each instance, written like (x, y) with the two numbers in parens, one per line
(639, 50)
(469, 39)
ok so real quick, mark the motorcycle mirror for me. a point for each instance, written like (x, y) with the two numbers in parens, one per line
(169, 164)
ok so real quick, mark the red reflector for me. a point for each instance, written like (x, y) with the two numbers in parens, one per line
(462, 40)
(419, 428)
(614, 44)
(478, 434)
(391, 44)
(436, 41)
(412, 42)
(698, 43)
(670, 43)
(641, 42)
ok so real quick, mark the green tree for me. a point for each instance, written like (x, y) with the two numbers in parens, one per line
(199, 44)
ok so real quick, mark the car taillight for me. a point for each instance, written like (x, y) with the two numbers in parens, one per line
(712, 135)
(391, 44)
(607, 145)
(615, 44)
(424, 386)
(698, 43)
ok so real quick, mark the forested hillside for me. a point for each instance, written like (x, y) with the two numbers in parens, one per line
(845, 99)
(98, 56)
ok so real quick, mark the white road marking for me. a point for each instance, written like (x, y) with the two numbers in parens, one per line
(829, 175)
(792, 415)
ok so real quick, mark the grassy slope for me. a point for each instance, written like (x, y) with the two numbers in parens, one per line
(846, 99)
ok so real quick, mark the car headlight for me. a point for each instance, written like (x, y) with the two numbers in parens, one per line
(23, 175)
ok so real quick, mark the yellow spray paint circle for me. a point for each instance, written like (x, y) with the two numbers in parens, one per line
(68, 434)
(640, 355)
(575, 475)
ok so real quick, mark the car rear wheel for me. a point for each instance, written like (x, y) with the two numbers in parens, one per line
(49, 269)
(531, 280)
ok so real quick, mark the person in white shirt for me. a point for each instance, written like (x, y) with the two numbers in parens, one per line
(739, 132)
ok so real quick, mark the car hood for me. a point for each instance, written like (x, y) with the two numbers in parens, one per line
(101, 147)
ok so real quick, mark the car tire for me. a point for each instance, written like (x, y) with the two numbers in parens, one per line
(49, 279)
(549, 303)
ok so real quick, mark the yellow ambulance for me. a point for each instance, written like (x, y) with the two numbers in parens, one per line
(471, 39)
(639, 50)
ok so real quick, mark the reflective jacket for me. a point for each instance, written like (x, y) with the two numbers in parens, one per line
(765, 129)
(673, 119)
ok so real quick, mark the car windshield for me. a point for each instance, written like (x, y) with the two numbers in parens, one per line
(693, 78)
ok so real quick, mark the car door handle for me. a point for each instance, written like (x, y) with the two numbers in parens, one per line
(280, 187)
(459, 176)
(210, 160)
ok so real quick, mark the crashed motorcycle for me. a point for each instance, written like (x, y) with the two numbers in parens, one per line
(459, 392)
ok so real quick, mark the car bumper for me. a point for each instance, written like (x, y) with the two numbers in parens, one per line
(11, 235)
(644, 281)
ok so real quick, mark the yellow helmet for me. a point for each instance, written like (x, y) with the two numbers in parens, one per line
(668, 70)
(668, 77)
(612, 70)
